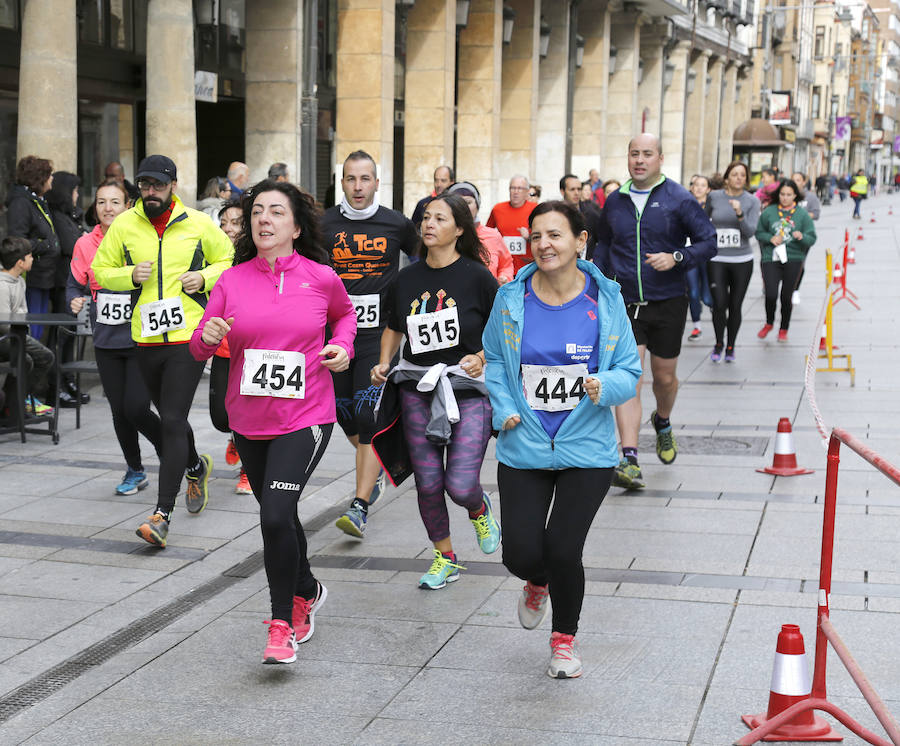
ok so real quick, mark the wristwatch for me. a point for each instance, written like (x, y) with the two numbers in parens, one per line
(678, 257)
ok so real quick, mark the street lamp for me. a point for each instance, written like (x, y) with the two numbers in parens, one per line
(462, 13)
(691, 81)
(509, 18)
(544, 42)
(612, 60)
(579, 50)
(668, 74)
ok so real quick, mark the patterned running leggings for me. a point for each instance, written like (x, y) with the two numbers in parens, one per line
(461, 477)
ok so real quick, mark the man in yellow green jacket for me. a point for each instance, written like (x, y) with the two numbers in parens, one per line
(169, 256)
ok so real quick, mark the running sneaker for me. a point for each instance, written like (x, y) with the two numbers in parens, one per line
(628, 476)
(716, 354)
(154, 530)
(232, 457)
(281, 647)
(243, 485)
(197, 493)
(695, 335)
(795, 298)
(379, 488)
(487, 530)
(132, 482)
(666, 447)
(533, 605)
(441, 572)
(729, 354)
(353, 522)
(782, 335)
(764, 332)
(305, 613)
(36, 408)
(565, 663)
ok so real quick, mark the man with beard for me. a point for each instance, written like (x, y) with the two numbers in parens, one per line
(169, 256)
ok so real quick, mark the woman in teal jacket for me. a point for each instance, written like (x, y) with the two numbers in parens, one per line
(785, 232)
(560, 353)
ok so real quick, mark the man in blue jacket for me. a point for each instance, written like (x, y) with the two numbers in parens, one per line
(642, 244)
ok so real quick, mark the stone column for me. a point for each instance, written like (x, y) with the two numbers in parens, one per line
(48, 84)
(478, 101)
(126, 140)
(365, 86)
(430, 77)
(649, 110)
(695, 117)
(673, 121)
(274, 78)
(591, 88)
(623, 120)
(171, 118)
(713, 130)
(553, 95)
(729, 117)
(518, 133)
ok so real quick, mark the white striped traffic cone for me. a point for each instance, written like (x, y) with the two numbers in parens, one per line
(837, 272)
(791, 684)
(851, 259)
(784, 464)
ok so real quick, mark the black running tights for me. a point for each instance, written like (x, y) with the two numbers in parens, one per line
(728, 284)
(787, 275)
(218, 384)
(172, 375)
(543, 551)
(129, 401)
(278, 470)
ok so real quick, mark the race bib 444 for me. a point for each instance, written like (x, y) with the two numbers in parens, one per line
(554, 388)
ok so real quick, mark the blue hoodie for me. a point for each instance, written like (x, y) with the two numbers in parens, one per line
(587, 439)
(671, 215)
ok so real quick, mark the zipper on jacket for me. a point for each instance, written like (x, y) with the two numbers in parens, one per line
(159, 277)
(281, 283)
(640, 279)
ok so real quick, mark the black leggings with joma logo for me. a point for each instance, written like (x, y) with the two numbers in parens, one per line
(278, 470)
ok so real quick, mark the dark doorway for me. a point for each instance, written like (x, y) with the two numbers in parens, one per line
(220, 138)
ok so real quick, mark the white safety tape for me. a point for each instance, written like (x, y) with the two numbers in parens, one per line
(783, 444)
(790, 675)
(823, 597)
(809, 379)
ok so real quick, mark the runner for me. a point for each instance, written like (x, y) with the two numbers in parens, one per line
(365, 241)
(697, 281)
(501, 263)
(274, 305)
(511, 219)
(734, 213)
(169, 256)
(114, 351)
(441, 303)
(231, 220)
(785, 233)
(644, 229)
(556, 446)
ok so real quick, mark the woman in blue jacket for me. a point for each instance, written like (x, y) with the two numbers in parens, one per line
(560, 353)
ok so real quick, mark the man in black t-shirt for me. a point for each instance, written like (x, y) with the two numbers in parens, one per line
(365, 241)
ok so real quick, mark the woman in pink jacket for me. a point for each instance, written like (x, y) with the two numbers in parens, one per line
(275, 304)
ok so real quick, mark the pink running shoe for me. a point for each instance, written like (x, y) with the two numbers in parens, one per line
(232, 457)
(305, 609)
(281, 646)
(565, 663)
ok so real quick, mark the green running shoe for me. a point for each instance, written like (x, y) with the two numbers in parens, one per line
(666, 447)
(197, 493)
(441, 572)
(628, 476)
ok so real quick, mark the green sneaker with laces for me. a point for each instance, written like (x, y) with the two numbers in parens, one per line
(487, 530)
(441, 572)
(666, 447)
(628, 476)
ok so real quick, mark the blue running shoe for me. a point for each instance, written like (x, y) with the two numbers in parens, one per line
(379, 488)
(441, 572)
(132, 482)
(487, 530)
(353, 522)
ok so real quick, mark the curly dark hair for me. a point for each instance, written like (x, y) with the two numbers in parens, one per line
(790, 184)
(33, 172)
(307, 217)
(569, 212)
(468, 244)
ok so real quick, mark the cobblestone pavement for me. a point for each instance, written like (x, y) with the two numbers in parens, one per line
(104, 640)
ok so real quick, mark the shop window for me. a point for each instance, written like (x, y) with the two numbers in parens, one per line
(91, 21)
(121, 24)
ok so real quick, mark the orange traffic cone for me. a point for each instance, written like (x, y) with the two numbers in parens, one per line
(859, 235)
(837, 273)
(872, 219)
(823, 343)
(791, 684)
(784, 464)
(851, 258)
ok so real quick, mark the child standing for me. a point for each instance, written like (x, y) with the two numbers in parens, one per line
(16, 259)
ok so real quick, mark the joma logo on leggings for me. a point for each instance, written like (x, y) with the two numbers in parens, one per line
(284, 486)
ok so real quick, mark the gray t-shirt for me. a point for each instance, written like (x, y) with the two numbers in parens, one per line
(733, 235)
(811, 204)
